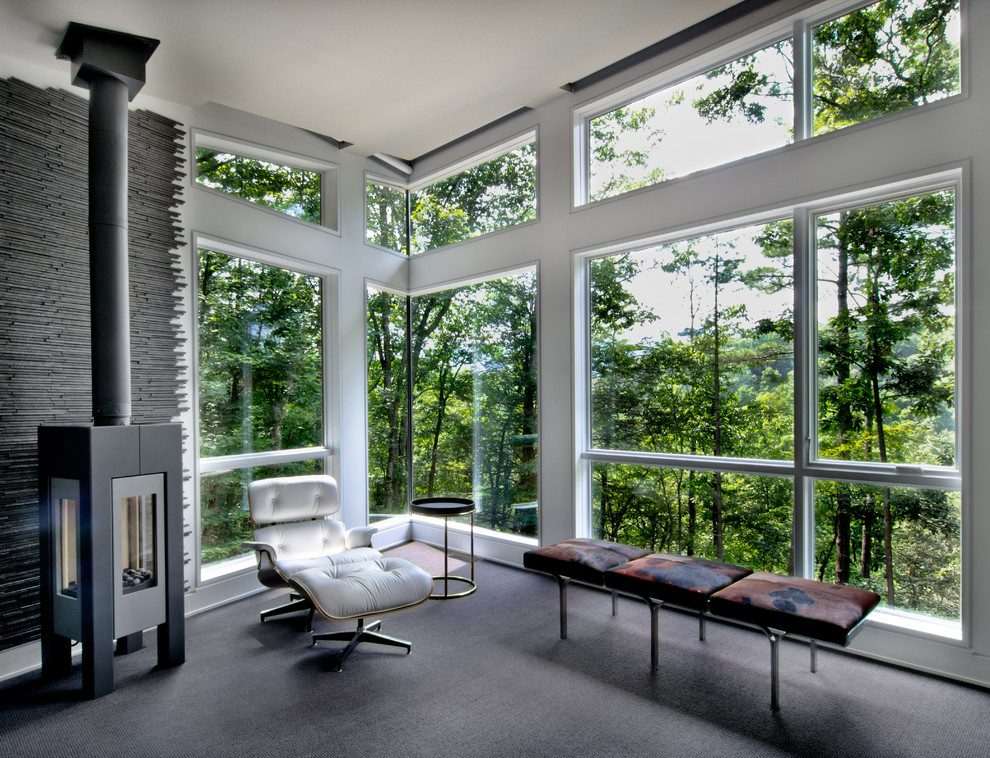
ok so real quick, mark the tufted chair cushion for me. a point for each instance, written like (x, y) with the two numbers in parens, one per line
(293, 498)
(364, 588)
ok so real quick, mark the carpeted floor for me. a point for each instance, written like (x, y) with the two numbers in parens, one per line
(431, 558)
(488, 676)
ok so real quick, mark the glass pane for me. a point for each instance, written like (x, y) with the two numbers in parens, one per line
(67, 513)
(494, 195)
(387, 404)
(733, 518)
(225, 520)
(884, 58)
(886, 332)
(292, 191)
(386, 215)
(914, 564)
(260, 357)
(735, 110)
(692, 346)
(138, 522)
(474, 408)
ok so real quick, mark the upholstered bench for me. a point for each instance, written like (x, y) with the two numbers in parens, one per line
(583, 560)
(782, 605)
(675, 579)
(777, 605)
(357, 590)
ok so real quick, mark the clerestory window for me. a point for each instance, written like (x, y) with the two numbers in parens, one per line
(871, 62)
(295, 186)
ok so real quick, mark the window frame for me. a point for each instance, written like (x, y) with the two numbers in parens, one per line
(326, 451)
(805, 469)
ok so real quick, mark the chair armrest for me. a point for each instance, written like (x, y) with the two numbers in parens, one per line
(359, 536)
(262, 547)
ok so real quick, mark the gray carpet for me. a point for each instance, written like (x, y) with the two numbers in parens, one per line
(488, 676)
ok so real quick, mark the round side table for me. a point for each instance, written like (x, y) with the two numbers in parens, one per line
(446, 508)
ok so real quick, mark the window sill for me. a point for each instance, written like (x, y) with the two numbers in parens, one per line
(917, 624)
(214, 572)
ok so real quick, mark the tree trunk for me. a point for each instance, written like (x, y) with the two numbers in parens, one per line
(717, 418)
(866, 544)
(843, 502)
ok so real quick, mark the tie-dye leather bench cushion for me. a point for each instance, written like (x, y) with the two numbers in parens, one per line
(825, 612)
(676, 579)
(586, 560)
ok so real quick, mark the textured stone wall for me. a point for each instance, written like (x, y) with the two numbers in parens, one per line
(44, 303)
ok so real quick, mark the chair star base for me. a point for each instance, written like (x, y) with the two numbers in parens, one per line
(296, 603)
(364, 633)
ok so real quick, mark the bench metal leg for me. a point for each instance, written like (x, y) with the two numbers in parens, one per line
(562, 582)
(702, 626)
(654, 632)
(615, 602)
(814, 656)
(775, 638)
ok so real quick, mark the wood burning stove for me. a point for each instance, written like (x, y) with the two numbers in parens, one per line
(111, 525)
(110, 493)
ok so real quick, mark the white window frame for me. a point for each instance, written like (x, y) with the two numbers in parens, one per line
(372, 178)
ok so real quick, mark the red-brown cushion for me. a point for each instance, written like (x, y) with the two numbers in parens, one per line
(827, 612)
(677, 579)
(586, 560)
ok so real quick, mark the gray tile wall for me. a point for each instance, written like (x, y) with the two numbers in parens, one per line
(44, 301)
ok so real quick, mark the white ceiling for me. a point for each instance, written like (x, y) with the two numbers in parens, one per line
(395, 76)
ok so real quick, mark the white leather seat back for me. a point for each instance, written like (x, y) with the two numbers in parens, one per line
(305, 538)
(293, 498)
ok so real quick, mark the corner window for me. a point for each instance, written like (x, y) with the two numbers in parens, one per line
(471, 353)
(386, 216)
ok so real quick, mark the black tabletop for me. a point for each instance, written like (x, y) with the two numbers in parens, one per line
(442, 506)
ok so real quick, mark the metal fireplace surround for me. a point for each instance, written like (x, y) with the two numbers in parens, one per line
(110, 493)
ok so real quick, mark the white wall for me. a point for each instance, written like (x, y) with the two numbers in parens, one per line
(949, 135)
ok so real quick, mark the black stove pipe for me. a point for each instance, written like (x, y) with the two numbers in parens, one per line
(112, 66)
(108, 268)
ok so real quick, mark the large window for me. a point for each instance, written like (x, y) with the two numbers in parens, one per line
(697, 394)
(471, 352)
(261, 406)
(877, 60)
